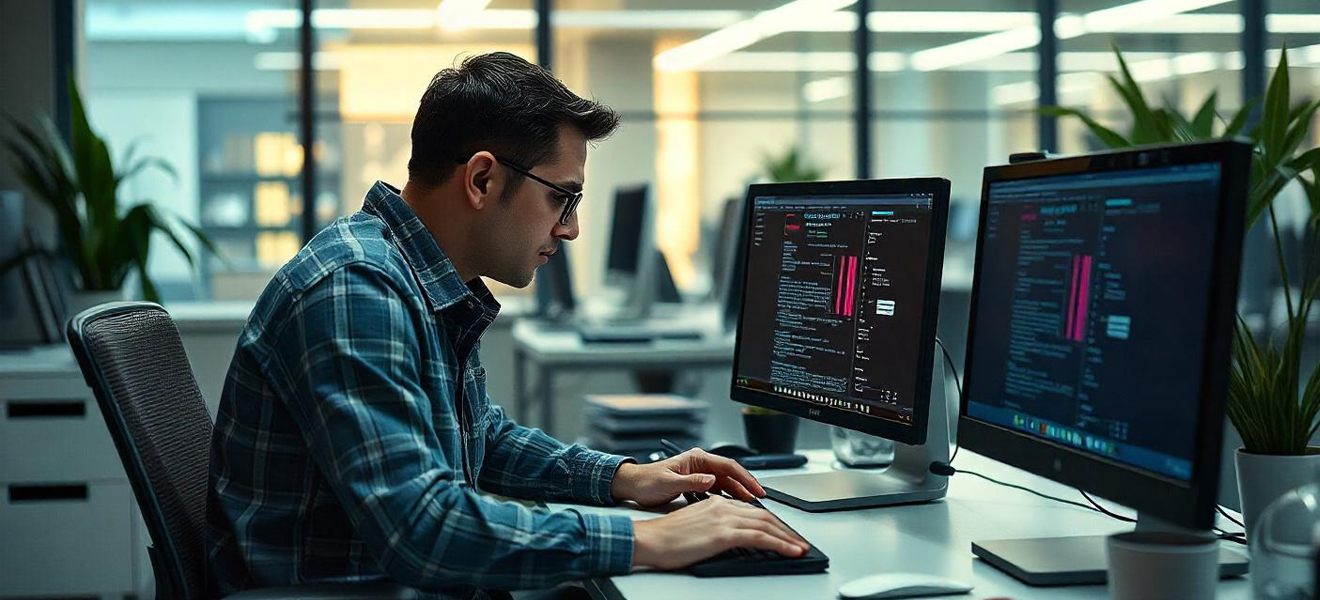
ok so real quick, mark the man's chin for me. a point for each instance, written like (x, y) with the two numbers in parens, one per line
(518, 280)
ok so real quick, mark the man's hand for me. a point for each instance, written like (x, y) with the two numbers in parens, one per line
(696, 470)
(707, 528)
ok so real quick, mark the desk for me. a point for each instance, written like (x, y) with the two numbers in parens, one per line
(548, 349)
(930, 538)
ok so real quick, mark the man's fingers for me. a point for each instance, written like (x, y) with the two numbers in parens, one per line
(735, 489)
(772, 529)
(730, 468)
(750, 538)
(696, 482)
(762, 514)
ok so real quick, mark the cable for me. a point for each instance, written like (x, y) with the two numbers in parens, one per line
(958, 385)
(1024, 489)
(1229, 517)
(1112, 515)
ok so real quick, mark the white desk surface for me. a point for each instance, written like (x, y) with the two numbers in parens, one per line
(927, 538)
(552, 344)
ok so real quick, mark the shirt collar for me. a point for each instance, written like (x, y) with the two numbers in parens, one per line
(440, 282)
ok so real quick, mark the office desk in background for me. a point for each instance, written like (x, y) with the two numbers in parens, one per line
(930, 538)
(548, 349)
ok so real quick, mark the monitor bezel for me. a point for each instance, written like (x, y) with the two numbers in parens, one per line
(1161, 496)
(938, 189)
(644, 240)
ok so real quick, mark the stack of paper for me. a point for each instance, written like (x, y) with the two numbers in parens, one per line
(632, 425)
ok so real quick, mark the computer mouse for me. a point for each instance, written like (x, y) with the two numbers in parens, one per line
(730, 450)
(901, 585)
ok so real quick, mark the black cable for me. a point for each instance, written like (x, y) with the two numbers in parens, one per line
(957, 383)
(1025, 489)
(1229, 517)
(1104, 510)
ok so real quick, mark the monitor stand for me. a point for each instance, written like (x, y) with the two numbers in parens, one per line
(1077, 560)
(907, 480)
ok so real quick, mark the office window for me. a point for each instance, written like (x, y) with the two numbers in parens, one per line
(207, 86)
(934, 110)
(1178, 56)
(702, 111)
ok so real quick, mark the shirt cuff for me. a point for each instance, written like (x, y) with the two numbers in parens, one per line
(609, 543)
(591, 474)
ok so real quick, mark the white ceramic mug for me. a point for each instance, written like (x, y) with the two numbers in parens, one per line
(1162, 565)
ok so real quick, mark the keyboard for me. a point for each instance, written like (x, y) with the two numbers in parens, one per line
(750, 561)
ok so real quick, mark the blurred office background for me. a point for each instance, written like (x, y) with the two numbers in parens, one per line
(709, 92)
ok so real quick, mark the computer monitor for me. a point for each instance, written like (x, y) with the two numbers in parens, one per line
(840, 296)
(730, 278)
(1098, 348)
(554, 287)
(630, 234)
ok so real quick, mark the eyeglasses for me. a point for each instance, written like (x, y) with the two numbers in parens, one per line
(568, 197)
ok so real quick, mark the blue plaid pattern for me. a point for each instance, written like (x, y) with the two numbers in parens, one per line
(353, 401)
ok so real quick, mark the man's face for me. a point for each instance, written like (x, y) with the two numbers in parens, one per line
(524, 230)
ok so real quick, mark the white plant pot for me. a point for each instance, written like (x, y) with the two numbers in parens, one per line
(80, 300)
(1262, 478)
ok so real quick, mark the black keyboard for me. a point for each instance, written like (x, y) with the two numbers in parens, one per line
(750, 561)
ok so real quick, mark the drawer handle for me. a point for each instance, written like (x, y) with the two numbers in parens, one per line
(47, 493)
(40, 410)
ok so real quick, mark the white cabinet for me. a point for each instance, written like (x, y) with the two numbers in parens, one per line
(67, 524)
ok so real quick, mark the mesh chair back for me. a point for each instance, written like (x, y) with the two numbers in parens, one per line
(132, 358)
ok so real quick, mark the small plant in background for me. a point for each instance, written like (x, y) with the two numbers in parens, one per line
(1273, 400)
(100, 240)
(789, 167)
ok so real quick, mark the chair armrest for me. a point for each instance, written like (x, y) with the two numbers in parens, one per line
(329, 591)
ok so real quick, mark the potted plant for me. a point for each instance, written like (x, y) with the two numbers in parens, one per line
(769, 431)
(1273, 398)
(100, 240)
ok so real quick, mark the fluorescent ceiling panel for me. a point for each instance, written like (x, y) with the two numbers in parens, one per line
(693, 54)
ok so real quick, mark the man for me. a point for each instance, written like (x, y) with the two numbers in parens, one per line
(354, 431)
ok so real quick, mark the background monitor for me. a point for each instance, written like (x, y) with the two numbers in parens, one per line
(729, 278)
(840, 296)
(630, 234)
(554, 287)
(1101, 318)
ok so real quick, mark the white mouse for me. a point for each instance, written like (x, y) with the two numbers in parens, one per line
(901, 585)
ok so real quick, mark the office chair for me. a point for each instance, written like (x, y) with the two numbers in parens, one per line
(132, 357)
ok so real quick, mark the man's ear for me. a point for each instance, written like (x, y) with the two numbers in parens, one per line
(481, 184)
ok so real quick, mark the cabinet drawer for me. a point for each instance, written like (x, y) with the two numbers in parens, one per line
(66, 539)
(54, 433)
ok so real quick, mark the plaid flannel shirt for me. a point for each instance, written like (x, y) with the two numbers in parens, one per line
(354, 399)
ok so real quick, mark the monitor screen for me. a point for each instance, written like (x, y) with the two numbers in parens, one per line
(838, 308)
(627, 233)
(1090, 326)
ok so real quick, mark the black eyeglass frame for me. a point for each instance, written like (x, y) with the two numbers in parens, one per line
(572, 199)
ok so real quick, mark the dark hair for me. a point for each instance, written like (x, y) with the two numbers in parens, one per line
(500, 103)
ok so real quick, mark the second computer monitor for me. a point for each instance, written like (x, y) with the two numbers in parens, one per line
(840, 296)
(1098, 351)
(630, 234)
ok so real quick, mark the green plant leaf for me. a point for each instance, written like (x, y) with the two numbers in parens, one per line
(1274, 120)
(1234, 127)
(1203, 124)
(1146, 128)
(1108, 136)
(142, 164)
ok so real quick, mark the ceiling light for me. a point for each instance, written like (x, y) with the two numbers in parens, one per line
(1119, 17)
(1020, 38)
(977, 48)
(745, 33)
(821, 90)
